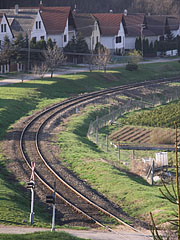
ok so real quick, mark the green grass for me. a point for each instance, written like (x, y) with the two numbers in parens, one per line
(23, 99)
(39, 236)
(132, 193)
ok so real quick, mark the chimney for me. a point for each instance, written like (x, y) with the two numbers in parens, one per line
(16, 9)
(125, 12)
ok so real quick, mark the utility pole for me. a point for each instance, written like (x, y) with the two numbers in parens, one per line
(142, 27)
(29, 50)
(177, 182)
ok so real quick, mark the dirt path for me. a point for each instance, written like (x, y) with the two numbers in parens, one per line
(90, 234)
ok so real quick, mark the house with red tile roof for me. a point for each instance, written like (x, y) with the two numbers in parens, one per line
(133, 25)
(112, 31)
(57, 22)
(42, 22)
(88, 27)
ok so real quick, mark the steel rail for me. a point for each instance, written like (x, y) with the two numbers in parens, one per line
(79, 99)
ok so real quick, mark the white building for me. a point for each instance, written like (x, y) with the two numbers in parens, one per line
(112, 31)
(88, 27)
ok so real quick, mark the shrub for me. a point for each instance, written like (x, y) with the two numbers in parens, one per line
(131, 67)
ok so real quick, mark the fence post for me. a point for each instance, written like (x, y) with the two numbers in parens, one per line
(152, 175)
(107, 142)
(96, 135)
(119, 153)
(133, 154)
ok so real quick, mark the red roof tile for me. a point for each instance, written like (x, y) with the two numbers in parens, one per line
(109, 23)
(133, 24)
(55, 18)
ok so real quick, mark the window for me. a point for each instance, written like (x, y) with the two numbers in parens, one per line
(3, 27)
(42, 37)
(0, 43)
(65, 38)
(92, 40)
(97, 39)
(38, 24)
(118, 39)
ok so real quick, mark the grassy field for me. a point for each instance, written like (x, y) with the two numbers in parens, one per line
(131, 192)
(39, 236)
(23, 99)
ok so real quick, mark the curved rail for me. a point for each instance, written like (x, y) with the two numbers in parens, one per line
(71, 102)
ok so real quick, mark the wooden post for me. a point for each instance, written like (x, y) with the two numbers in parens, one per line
(96, 135)
(177, 182)
(152, 175)
(119, 153)
(133, 154)
(107, 142)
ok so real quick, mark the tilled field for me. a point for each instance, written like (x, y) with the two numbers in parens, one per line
(137, 135)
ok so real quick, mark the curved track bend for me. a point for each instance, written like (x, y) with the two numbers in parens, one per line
(88, 210)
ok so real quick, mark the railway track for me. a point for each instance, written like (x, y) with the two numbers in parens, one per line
(79, 205)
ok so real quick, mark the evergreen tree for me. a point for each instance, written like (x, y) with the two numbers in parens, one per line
(138, 44)
(81, 45)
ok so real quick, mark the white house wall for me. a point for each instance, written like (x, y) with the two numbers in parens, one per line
(152, 38)
(38, 33)
(108, 42)
(95, 35)
(130, 43)
(121, 34)
(59, 38)
(8, 32)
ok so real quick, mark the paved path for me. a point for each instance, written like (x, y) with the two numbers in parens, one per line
(74, 70)
(90, 234)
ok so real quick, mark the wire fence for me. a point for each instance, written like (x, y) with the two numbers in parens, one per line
(119, 153)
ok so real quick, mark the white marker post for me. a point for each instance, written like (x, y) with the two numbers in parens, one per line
(54, 208)
(31, 186)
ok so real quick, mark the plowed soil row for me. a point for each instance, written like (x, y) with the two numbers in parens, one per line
(137, 135)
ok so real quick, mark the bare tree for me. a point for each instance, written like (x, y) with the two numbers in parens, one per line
(54, 57)
(102, 58)
(40, 70)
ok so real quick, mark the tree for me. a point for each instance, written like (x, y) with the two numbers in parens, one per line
(54, 57)
(101, 57)
(138, 44)
(6, 51)
(20, 45)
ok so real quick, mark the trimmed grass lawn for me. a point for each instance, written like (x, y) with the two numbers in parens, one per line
(23, 99)
(40, 236)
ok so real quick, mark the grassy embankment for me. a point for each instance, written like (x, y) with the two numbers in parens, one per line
(20, 100)
(39, 235)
